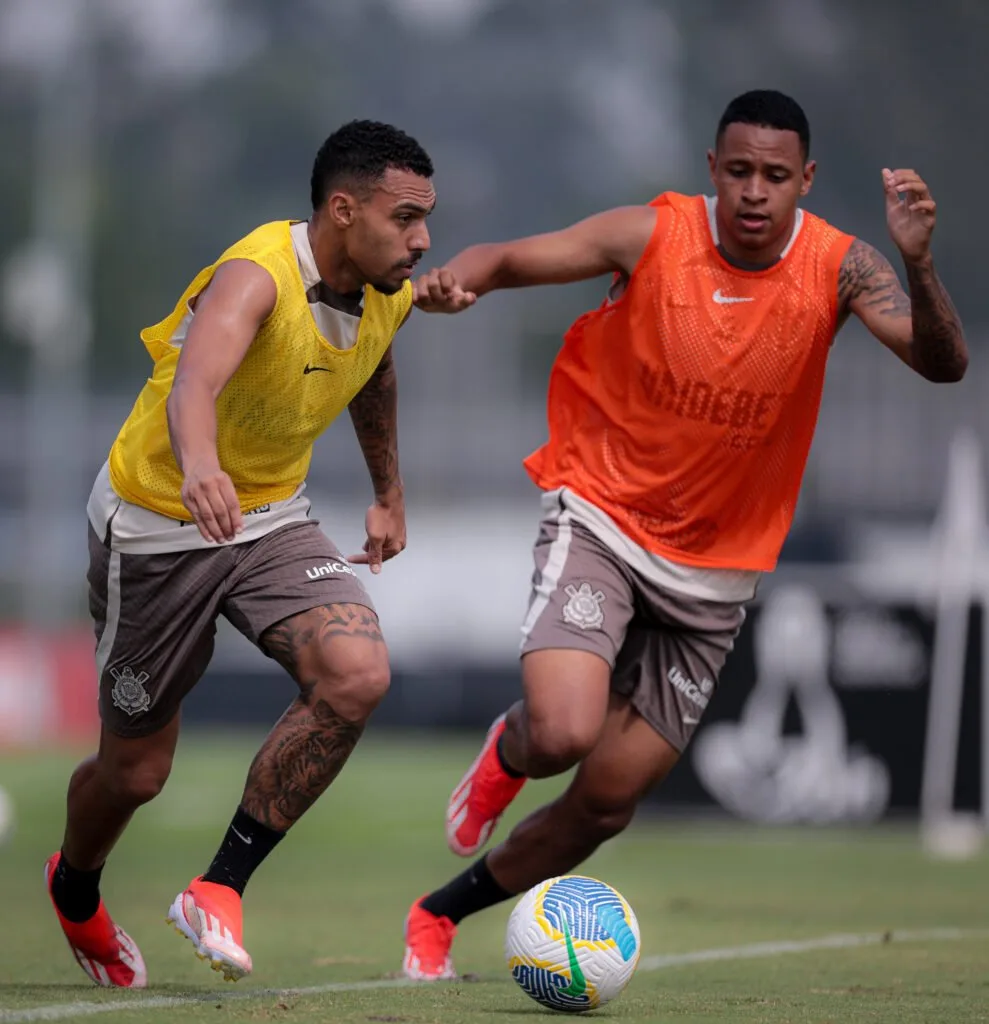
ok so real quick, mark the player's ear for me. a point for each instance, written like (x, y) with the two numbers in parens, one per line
(341, 207)
(810, 169)
(712, 164)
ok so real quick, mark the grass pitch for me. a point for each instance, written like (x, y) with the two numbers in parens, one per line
(738, 924)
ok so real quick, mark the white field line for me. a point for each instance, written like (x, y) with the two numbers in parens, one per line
(752, 951)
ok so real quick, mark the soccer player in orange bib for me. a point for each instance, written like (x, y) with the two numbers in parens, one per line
(681, 412)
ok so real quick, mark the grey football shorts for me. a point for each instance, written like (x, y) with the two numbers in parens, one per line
(155, 615)
(666, 650)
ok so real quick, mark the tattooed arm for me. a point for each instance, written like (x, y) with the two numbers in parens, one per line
(923, 329)
(374, 412)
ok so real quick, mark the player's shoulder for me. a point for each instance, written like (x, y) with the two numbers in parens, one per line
(266, 251)
(682, 214)
(824, 243)
(679, 202)
(817, 224)
(680, 220)
(272, 236)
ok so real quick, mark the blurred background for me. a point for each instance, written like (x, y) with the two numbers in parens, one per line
(140, 139)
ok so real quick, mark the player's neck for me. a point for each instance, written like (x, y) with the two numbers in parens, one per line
(746, 259)
(753, 259)
(336, 271)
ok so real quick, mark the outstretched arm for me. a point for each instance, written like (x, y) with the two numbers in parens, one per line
(606, 243)
(924, 328)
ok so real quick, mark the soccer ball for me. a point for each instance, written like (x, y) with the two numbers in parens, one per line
(572, 943)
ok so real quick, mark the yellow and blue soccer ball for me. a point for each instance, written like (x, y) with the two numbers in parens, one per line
(572, 943)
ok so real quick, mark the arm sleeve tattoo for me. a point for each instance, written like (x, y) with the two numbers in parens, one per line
(925, 325)
(374, 412)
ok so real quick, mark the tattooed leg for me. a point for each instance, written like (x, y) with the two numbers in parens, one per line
(338, 657)
(302, 755)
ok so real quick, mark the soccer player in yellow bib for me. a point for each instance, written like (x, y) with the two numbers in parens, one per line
(200, 511)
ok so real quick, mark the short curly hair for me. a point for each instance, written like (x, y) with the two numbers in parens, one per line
(767, 108)
(361, 152)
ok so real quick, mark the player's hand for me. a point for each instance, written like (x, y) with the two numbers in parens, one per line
(209, 495)
(385, 526)
(440, 292)
(910, 219)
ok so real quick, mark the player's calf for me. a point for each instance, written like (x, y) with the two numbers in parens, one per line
(104, 792)
(556, 839)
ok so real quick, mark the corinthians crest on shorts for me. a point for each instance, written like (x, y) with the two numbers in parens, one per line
(128, 691)
(584, 607)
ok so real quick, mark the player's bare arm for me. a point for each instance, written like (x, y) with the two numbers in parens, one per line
(605, 243)
(922, 327)
(228, 314)
(374, 412)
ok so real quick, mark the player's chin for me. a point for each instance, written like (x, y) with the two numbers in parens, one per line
(755, 242)
(393, 283)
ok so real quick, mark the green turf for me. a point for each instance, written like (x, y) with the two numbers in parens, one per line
(328, 906)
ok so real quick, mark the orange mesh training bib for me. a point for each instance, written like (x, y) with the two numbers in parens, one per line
(685, 409)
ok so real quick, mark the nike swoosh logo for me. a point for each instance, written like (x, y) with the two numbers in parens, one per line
(725, 300)
(313, 369)
(578, 984)
(239, 836)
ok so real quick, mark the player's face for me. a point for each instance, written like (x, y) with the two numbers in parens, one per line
(759, 175)
(389, 234)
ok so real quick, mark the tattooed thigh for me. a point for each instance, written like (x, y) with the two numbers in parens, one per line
(336, 654)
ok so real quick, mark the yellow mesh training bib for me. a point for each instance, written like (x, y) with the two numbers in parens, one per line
(271, 410)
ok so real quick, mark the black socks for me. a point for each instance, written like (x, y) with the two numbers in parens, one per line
(76, 893)
(468, 893)
(506, 767)
(246, 844)
(244, 847)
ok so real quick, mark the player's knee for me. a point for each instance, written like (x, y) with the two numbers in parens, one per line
(599, 820)
(136, 783)
(606, 824)
(356, 687)
(554, 746)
